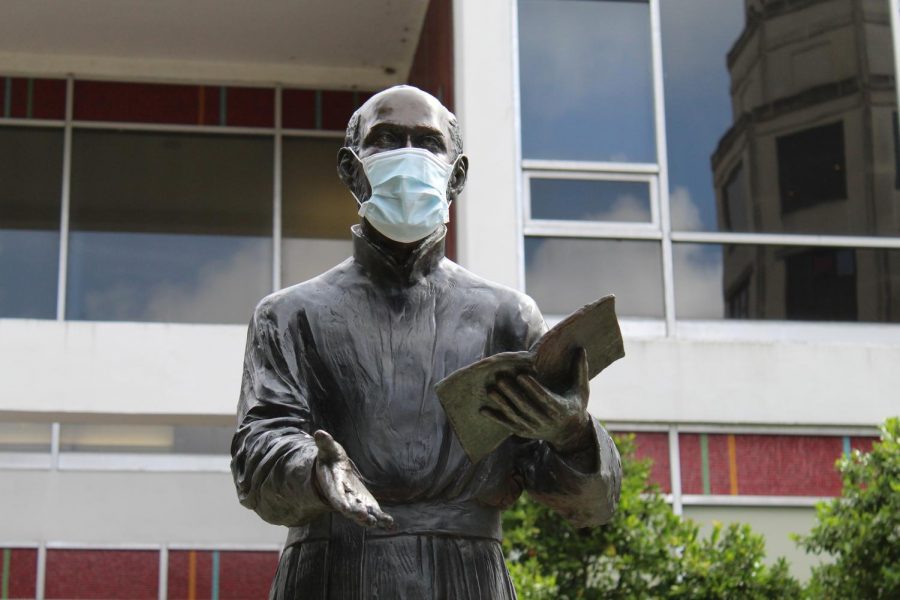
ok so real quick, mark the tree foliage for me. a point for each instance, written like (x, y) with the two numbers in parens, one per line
(861, 529)
(646, 551)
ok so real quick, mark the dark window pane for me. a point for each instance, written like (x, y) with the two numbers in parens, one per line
(169, 227)
(30, 187)
(801, 96)
(317, 209)
(26, 98)
(563, 274)
(176, 104)
(586, 82)
(739, 281)
(149, 439)
(811, 167)
(590, 200)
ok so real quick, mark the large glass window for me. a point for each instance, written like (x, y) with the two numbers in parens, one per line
(30, 189)
(317, 209)
(801, 97)
(590, 200)
(586, 82)
(169, 226)
(563, 274)
(809, 283)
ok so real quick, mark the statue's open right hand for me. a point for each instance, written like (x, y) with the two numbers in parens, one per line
(341, 486)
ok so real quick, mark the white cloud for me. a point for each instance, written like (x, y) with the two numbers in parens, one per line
(563, 274)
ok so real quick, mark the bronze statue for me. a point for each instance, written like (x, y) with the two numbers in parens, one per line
(341, 436)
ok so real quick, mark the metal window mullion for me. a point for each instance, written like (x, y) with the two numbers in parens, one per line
(54, 446)
(312, 133)
(172, 128)
(41, 572)
(662, 160)
(785, 239)
(523, 187)
(895, 32)
(163, 591)
(36, 123)
(277, 195)
(599, 231)
(64, 204)
(675, 470)
(532, 164)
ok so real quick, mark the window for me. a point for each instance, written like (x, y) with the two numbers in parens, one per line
(170, 197)
(169, 227)
(779, 159)
(811, 167)
(30, 189)
(821, 284)
(317, 210)
(586, 81)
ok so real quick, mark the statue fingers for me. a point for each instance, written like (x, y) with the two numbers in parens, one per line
(329, 449)
(507, 419)
(541, 400)
(516, 403)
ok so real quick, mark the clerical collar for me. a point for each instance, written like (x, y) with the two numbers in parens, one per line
(379, 263)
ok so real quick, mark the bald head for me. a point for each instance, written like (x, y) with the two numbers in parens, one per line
(403, 106)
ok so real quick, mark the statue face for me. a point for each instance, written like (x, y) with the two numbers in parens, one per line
(405, 118)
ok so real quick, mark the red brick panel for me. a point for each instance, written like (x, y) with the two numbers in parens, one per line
(863, 444)
(692, 464)
(337, 108)
(788, 465)
(190, 574)
(22, 580)
(47, 98)
(298, 109)
(246, 575)
(655, 447)
(102, 574)
(145, 103)
(250, 107)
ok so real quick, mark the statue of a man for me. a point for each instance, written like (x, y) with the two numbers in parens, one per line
(340, 435)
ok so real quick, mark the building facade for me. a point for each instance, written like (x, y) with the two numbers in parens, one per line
(728, 168)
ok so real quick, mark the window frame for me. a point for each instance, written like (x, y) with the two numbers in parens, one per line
(671, 325)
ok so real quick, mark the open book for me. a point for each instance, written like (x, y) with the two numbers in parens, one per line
(552, 359)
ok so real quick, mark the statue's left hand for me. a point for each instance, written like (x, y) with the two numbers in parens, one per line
(530, 410)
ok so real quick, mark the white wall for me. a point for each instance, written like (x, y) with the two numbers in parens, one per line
(128, 508)
(50, 368)
(486, 213)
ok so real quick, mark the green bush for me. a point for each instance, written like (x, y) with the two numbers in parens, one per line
(860, 531)
(646, 551)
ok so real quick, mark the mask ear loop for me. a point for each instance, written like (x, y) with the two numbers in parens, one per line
(358, 160)
(452, 170)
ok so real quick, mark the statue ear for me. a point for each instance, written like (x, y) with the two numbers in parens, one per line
(458, 177)
(351, 174)
(346, 166)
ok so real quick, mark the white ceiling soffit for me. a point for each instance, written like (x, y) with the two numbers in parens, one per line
(367, 44)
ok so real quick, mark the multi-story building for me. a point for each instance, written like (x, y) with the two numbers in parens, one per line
(729, 169)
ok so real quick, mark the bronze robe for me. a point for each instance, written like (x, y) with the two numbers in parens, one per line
(356, 352)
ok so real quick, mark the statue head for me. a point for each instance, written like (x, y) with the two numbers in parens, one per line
(401, 117)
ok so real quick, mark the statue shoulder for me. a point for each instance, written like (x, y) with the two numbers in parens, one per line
(320, 290)
(507, 300)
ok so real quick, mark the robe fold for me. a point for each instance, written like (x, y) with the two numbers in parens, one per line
(357, 351)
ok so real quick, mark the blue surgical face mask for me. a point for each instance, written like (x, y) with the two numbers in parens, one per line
(409, 193)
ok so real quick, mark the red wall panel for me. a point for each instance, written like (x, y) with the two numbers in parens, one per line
(655, 447)
(250, 107)
(788, 465)
(32, 98)
(96, 574)
(22, 574)
(246, 575)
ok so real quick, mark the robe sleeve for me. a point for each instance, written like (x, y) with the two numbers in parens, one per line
(273, 453)
(584, 498)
